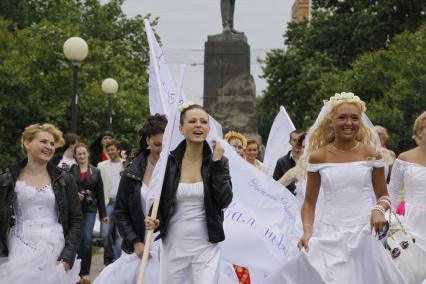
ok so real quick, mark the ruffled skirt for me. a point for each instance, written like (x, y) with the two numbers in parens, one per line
(349, 255)
(37, 261)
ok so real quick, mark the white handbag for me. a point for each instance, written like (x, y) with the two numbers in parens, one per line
(408, 257)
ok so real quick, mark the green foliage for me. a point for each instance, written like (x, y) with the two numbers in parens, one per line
(35, 77)
(391, 81)
(339, 33)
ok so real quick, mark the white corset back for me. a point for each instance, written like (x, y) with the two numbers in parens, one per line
(348, 191)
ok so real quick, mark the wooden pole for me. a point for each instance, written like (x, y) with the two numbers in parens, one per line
(148, 242)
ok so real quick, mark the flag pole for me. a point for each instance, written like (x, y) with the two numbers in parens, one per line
(147, 248)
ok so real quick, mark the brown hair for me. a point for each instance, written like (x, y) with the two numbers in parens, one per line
(194, 106)
(115, 143)
(81, 145)
(253, 140)
(31, 131)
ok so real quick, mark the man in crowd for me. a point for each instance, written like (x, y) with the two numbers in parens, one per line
(289, 160)
(111, 173)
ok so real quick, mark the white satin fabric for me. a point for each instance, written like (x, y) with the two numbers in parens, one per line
(342, 249)
(125, 269)
(186, 255)
(412, 177)
(36, 241)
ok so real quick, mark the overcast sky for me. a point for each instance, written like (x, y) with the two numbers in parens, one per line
(185, 24)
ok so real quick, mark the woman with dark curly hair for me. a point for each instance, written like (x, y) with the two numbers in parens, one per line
(130, 208)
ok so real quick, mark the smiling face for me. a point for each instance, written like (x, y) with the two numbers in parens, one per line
(81, 155)
(195, 126)
(346, 121)
(251, 151)
(41, 148)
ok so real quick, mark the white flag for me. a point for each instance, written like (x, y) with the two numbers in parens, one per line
(262, 223)
(278, 145)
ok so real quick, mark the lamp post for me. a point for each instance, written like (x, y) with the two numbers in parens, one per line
(109, 87)
(75, 50)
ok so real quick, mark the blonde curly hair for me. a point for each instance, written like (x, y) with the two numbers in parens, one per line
(322, 134)
(31, 131)
(231, 135)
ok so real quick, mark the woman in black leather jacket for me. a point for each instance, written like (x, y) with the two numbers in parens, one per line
(40, 214)
(91, 194)
(197, 187)
(130, 208)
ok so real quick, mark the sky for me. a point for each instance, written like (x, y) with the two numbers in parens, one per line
(185, 24)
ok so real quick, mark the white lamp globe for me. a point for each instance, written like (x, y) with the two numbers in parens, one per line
(109, 86)
(75, 49)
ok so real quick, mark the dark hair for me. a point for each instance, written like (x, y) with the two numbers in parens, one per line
(300, 140)
(194, 106)
(113, 142)
(155, 124)
(71, 138)
(297, 131)
(79, 145)
(106, 133)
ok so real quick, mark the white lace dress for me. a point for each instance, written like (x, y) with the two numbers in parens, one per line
(343, 249)
(412, 177)
(125, 269)
(36, 241)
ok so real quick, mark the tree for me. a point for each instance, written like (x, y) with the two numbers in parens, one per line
(339, 32)
(35, 77)
(391, 81)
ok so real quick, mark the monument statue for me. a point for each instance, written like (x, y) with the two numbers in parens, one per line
(227, 8)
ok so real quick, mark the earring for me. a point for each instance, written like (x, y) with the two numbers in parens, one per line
(148, 147)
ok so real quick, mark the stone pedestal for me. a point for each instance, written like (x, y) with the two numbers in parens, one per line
(229, 89)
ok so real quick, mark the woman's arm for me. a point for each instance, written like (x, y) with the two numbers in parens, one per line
(221, 185)
(396, 182)
(75, 220)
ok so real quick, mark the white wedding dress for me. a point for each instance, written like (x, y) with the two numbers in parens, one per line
(412, 177)
(36, 241)
(125, 269)
(343, 249)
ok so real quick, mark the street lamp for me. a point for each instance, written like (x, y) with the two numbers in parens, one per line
(75, 50)
(109, 87)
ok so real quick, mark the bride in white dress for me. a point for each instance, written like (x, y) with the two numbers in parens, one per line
(341, 248)
(409, 172)
(42, 243)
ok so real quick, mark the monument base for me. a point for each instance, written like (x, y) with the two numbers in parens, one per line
(229, 89)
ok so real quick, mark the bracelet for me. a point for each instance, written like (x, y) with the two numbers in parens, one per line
(379, 208)
(384, 201)
(309, 226)
(384, 198)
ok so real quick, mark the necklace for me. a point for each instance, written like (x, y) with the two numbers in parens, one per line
(149, 165)
(345, 151)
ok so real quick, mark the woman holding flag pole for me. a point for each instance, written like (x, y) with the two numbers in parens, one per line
(196, 188)
(130, 210)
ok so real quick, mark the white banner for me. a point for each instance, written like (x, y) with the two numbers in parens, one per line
(262, 224)
(279, 136)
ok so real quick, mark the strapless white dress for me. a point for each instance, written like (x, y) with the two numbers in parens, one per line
(343, 249)
(36, 241)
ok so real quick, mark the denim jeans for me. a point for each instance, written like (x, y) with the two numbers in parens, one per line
(110, 237)
(85, 252)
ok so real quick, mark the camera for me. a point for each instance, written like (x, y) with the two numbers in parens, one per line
(89, 197)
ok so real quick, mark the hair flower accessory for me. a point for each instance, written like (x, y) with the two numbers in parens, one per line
(339, 98)
(185, 105)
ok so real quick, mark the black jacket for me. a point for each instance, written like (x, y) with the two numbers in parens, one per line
(128, 212)
(92, 182)
(217, 191)
(283, 165)
(67, 201)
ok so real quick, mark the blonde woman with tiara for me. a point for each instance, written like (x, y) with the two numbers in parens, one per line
(40, 215)
(343, 161)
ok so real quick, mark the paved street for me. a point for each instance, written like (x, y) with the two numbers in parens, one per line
(97, 263)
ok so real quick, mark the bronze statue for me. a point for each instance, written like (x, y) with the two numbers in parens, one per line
(227, 8)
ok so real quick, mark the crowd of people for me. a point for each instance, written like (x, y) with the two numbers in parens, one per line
(340, 170)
